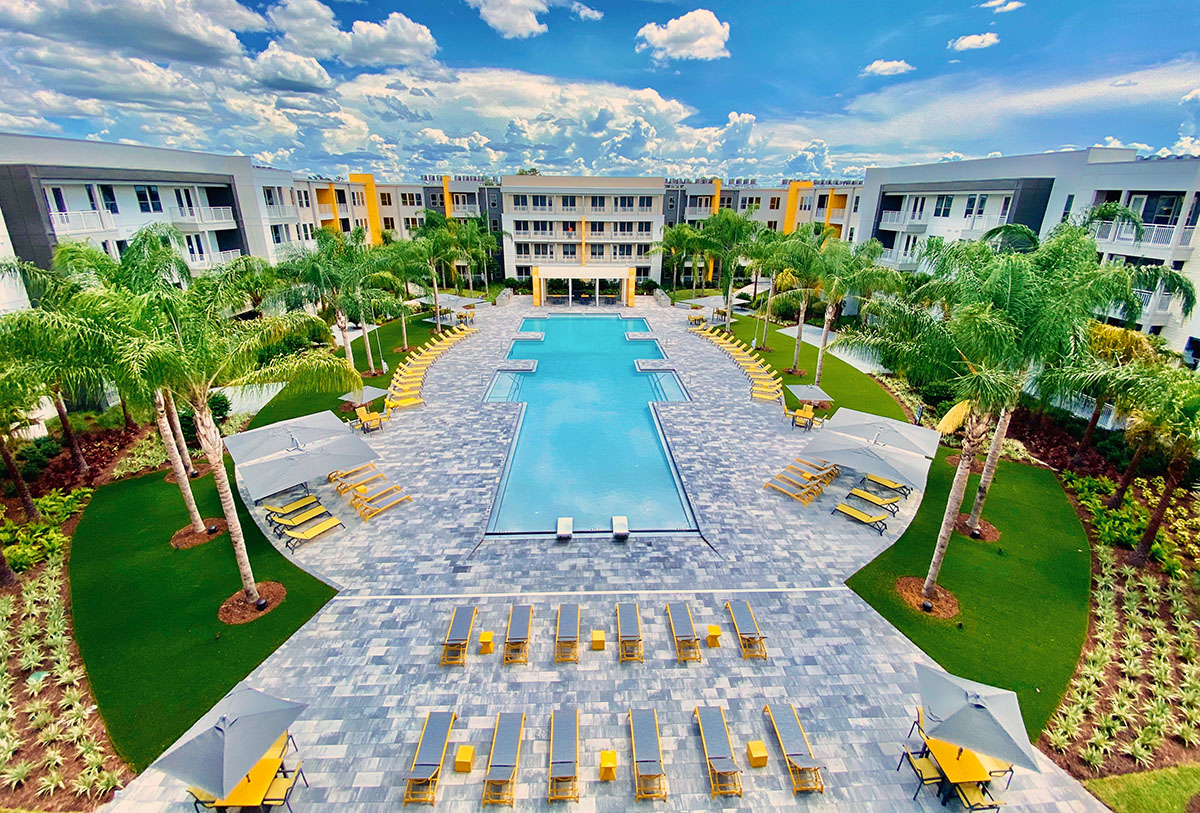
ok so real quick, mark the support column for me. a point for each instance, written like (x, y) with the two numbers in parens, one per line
(570, 292)
(597, 292)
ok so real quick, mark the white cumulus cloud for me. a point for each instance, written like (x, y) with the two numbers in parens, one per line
(586, 12)
(309, 27)
(514, 19)
(282, 70)
(886, 67)
(1002, 6)
(696, 35)
(973, 42)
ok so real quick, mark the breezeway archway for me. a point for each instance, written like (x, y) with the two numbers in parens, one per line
(582, 278)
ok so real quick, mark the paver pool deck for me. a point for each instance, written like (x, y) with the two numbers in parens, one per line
(368, 663)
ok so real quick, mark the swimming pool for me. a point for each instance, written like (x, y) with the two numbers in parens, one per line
(588, 446)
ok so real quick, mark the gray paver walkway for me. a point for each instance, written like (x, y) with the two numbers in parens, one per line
(368, 663)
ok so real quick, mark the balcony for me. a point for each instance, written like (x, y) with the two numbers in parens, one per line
(464, 210)
(819, 214)
(280, 211)
(597, 210)
(982, 223)
(1158, 236)
(543, 232)
(696, 212)
(202, 261)
(645, 210)
(543, 207)
(568, 209)
(1185, 239)
(837, 214)
(325, 211)
(80, 222)
(517, 208)
(213, 216)
(620, 208)
(892, 219)
(896, 258)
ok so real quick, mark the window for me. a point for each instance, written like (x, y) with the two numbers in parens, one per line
(774, 203)
(569, 227)
(642, 271)
(645, 203)
(541, 202)
(437, 200)
(340, 196)
(671, 204)
(268, 195)
(596, 227)
(941, 206)
(700, 202)
(568, 202)
(643, 249)
(302, 198)
(148, 199)
(307, 230)
(850, 235)
(644, 227)
(495, 222)
(522, 270)
(461, 199)
(411, 224)
(541, 227)
(1067, 208)
(520, 201)
(624, 227)
(569, 251)
(625, 203)
(522, 249)
(55, 200)
(385, 198)
(91, 193)
(109, 197)
(749, 201)
(520, 226)
(855, 203)
(121, 246)
(624, 250)
(389, 224)
(975, 204)
(772, 225)
(1004, 204)
(410, 198)
(596, 252)
(277, 234)
(541, 250)
(806, 203)
(597, 203)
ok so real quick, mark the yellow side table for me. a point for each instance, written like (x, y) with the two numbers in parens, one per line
(713, 639)
(756, 754)
(608, 766)
(464, 758)
(598, 640)
(487, 643)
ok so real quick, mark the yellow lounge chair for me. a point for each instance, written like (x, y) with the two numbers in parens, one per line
(629, 632)
(503, 759)
(351, 485)
(819, 466)
(877, 522)
(745, 624)
(566, 635)
(803, 495)
(724, 778)
(278, 523)
(458, 636)
(359, 496)
(345, 473)
(975, 799)
(650, 780)
(823, 476)
(297, 538)
(889, 504)
(403, 403)
(294, 505)
(516, 638)
(803, 768)
(886, 483)
(369, 511)
(426, 770)
(368, 420)
(683, 631)
(564, 756)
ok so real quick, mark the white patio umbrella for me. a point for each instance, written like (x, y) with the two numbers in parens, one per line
(220, 749)
(808, 392)
(291, 467)
(296, 432)
(887, 431)
(862, 455)
(974, 715)
(364, 396)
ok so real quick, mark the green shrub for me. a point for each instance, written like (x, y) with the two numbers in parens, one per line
(218, 404)
(57, 507)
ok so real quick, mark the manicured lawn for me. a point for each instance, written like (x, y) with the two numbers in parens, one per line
(288, 404)
(848, 386)
(1023, 601)
(145, 614)
(1164, 791)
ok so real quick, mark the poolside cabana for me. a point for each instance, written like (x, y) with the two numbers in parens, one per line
(584, 278)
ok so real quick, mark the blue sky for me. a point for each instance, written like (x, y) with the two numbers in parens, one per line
(767, 88)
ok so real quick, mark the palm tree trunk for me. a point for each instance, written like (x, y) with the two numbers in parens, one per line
(181, 475)
(32, 514)
(343, 324)
(766, 320)
(437, 310)
(129, 424)
(989, 471)
(829, 308)
(177, 438)
(210, 441)
(7, 577)
(1131, 471)
(973, 436)
(693, 277)
(1089, 432)
(404, 326)
(799, 332)
(68, 432)
(1175, 472)
(367, 345)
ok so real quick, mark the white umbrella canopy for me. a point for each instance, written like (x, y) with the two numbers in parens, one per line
(861, 455)
(364, 396)
(887, 431)
(809, 392)
(294, 433)
(974, 715)
(220, 749)
(291, 467)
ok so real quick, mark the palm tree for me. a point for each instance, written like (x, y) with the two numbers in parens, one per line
(476, 244)
(728, 236)
(970, 347)
(846, 268)
(18, 397)
(1145, 428)
(802, 257)
(673, 246)
(196, 347)
(432, 250)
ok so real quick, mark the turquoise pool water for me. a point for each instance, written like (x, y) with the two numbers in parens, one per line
(588, 446)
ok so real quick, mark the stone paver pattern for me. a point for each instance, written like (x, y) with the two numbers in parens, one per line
(368, 663)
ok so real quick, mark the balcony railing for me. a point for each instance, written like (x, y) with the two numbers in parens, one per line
(280, 210)
(982, 223)
(1154, 235)
(212, 260)
(837, 214)
(543, 207)
(464, 210)
(517, 208)
(622, 208)
(597, 210)
(202, 214)
(325, 210)
(697, 212)
(568, 208)
(890, 218)
(646, 209)
(897, 258)
(78, 222)
(1185, 239)
(819, 213)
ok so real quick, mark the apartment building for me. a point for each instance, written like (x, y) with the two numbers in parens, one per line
(780, 208)
(903, 206)
(581, 227)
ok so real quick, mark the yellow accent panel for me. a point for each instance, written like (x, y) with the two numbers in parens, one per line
(716, 201)
(835, 202)
(583, 241)
(537, 287)
(446, 194)
(709, 277)
(789, 211)
(630, 287)
(367, 179)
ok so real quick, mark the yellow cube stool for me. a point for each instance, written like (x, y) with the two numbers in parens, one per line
(487, 643)
(714, 636)
(597, 639)
(756, 754)
(608, 765)
(464, 758)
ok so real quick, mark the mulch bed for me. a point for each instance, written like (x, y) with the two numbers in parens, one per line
(186, 538)
(904, 407)
(976, 465)
(987, 531)
(201, 471)
(1193, 805)
(945, 605)
(236, 610)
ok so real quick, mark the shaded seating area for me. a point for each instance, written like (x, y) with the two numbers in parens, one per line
(650, 780)
(566, 634)
(803, 480)
(629, 632)
(564, 756)
(422, 780)
(803, 768)
(724, 777)
(503, 759)
(750, 638)
(458, 636)
(516, 639)
(683, 632)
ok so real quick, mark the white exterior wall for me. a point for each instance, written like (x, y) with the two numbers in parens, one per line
(12, 292)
